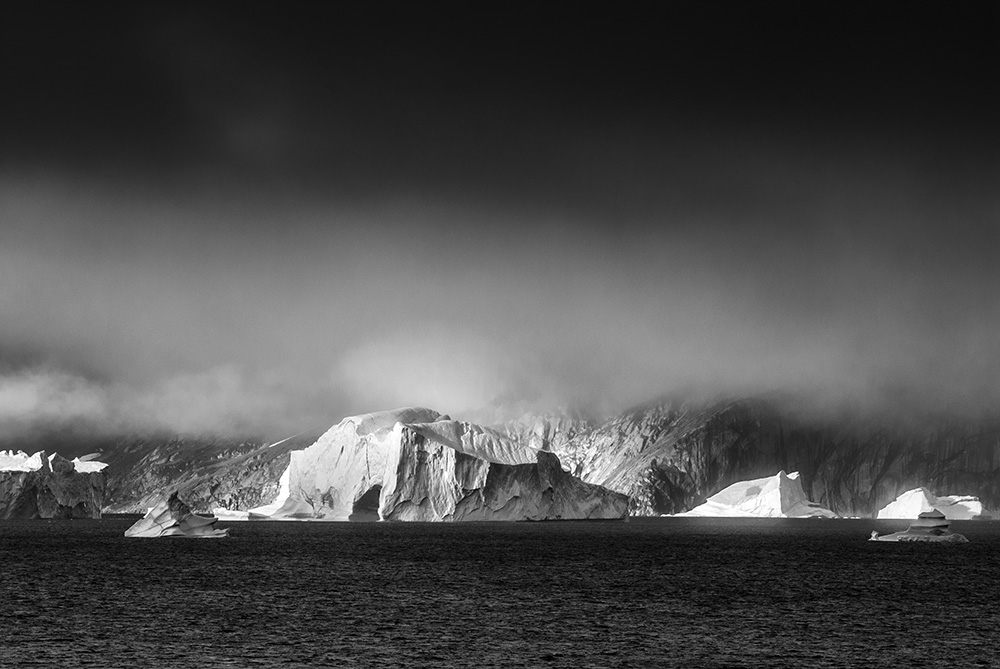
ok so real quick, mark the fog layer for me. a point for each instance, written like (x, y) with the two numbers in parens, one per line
(248, 227)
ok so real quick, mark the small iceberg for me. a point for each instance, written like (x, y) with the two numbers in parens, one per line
(918, 500)
(778, 496)
(173, 518)
(929, 526)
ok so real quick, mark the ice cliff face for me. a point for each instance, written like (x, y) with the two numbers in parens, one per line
(414, 464)
(40, 486)
(920, 500)
(171, 517)
(670, 457)
(778, 496)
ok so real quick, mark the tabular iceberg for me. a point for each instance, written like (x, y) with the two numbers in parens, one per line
(173, 518)
(413, 464)
(954, 507)
(40, 486)
(929, 526)
(778, 496)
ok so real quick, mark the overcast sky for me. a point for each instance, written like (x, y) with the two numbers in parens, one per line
(259, 220)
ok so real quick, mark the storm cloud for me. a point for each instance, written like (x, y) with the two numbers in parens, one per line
(251, 226)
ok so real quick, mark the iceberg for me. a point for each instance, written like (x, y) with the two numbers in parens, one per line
(230, 515)
(41, 486)
(778, 496)
(19, 461)
(929, 526)
(954, 507)
(173, 518)
(413, 464)
(87, 464)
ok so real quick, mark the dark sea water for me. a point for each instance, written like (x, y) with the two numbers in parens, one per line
(645, 593)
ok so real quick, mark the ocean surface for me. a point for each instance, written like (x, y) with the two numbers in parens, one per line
(666, 592)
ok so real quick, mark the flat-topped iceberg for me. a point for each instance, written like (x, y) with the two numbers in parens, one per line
(88, 464)
(171, 517)
(954, 507)
(414, 464)
(931, 526)
(778, 496)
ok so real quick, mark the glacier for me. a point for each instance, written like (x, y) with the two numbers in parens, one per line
(778, 496)
(49, 486)
(954, 507)
(171, 517)
(414, 464)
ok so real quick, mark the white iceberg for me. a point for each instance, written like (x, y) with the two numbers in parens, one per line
(173, 518)
(954, 507)
(778, 496)
(87, 464)
(414, 464)
(19, 461)
(41, 486)
(930, 526)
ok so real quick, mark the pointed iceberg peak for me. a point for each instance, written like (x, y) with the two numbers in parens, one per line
(171, 517)
(778, 496)
(914, 502)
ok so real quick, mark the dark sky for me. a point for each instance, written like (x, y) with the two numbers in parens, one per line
(254, 218)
